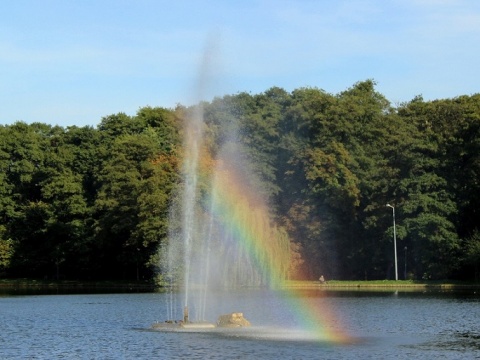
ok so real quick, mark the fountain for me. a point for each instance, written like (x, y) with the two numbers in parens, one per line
(222, 236)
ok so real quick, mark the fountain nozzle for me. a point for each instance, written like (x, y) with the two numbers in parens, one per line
(185, 315)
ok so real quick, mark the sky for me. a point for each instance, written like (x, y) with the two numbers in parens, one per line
(73, 62)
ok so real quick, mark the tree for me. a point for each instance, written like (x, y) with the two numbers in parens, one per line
(472, 254)
(428, 203)
(136, 179)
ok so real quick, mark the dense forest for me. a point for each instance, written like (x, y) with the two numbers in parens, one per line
(93, 203)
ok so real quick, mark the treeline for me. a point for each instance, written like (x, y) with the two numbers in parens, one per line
(86, 203)
(94, 203)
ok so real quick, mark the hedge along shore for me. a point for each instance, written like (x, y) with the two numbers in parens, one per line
(72, 284)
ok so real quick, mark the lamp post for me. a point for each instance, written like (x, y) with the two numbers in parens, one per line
(405, 263)
(394, 241)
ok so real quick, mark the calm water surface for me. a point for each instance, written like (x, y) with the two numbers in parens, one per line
(400, 325)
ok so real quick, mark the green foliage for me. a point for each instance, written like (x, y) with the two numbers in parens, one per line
(95, 202)
(6, 250)
(77, 202)
(472, 253)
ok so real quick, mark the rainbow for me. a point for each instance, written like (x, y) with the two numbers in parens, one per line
(245, 216)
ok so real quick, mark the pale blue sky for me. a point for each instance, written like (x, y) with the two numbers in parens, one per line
(72, 62)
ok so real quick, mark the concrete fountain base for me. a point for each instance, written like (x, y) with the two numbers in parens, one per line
(180, 325)
(232, 320)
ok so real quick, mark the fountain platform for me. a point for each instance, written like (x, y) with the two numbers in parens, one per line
(233, 320)
(180, 325)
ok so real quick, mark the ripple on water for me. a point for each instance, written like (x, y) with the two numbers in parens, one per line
(114, 327)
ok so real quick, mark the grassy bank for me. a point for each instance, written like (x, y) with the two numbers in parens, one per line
(126, 286)
(382, 284)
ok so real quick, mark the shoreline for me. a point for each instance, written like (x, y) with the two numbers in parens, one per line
(144, 286)
(33, 284)
(381, 285)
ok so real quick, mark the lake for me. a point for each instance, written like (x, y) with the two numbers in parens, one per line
(381, 324)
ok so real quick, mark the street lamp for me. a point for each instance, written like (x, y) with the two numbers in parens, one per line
(394, 241)
(405, 263)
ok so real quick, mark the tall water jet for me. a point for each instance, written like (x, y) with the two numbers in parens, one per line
(226, 237)
(193, 139)
(222, 235)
